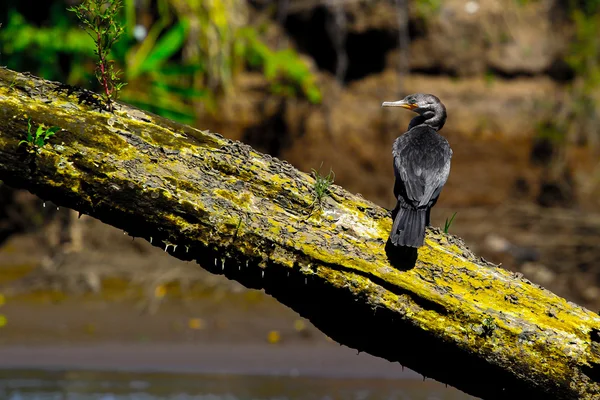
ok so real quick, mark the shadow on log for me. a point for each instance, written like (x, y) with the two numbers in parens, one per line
(452, 316)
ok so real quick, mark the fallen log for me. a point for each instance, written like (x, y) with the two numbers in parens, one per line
(253, 218)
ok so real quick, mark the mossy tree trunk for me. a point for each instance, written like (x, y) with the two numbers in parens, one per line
(452, 316)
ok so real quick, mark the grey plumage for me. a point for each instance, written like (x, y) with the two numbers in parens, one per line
(421, 166)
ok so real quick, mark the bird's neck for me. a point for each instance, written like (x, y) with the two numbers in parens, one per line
(433, 118)
(416, 121)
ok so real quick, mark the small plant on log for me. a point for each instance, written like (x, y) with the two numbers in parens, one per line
(449, 223)
(36, 141)
(488, 326)
(321, 186)
(99, 19)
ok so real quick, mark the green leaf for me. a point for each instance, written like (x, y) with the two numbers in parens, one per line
(29, 136)
(51, 131)
(42, 134)
(449, 223)
(39, 132)
(170, 43)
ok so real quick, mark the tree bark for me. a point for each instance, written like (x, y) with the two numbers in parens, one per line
(253, 218)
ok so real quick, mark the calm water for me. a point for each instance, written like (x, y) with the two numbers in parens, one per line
(86, 385)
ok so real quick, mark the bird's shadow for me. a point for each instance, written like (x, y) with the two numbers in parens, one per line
(402, 258)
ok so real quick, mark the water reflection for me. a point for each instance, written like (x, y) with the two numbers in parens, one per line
(86, 385)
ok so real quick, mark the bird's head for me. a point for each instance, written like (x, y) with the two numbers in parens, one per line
(428, 106)
(418, 102)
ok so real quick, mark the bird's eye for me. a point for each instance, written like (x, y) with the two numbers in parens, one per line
(412, 100)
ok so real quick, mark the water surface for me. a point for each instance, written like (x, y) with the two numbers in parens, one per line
(104, 385)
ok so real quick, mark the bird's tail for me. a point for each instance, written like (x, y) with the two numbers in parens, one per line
(409, 227)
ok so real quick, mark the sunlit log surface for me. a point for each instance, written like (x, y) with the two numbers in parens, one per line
(452, 316)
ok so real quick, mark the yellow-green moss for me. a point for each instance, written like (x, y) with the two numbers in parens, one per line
(242, 200)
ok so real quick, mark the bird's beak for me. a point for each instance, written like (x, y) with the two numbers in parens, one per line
(400, 103)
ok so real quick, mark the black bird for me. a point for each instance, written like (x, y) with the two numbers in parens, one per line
(421, 165)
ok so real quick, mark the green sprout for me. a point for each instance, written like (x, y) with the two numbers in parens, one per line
(237, 228)
(321, 186)
(488, 325)
(38, 140)
(449, 223)
(99, 19)
(486, 328)
(12, 83)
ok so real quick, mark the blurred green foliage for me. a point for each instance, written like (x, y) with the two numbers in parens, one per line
(175, 54)
(286, 75)
(40, 49)
(576, 120)
(585, 60)
(427, 8)
(584, 54)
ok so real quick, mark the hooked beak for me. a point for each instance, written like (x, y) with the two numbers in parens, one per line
(400, 103)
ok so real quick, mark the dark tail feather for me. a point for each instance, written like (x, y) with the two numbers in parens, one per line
(409, 227)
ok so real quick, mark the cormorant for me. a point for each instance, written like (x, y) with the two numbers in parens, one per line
(421, 166)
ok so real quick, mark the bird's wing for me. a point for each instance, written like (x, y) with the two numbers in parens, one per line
(422, 167)
(438, 179)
